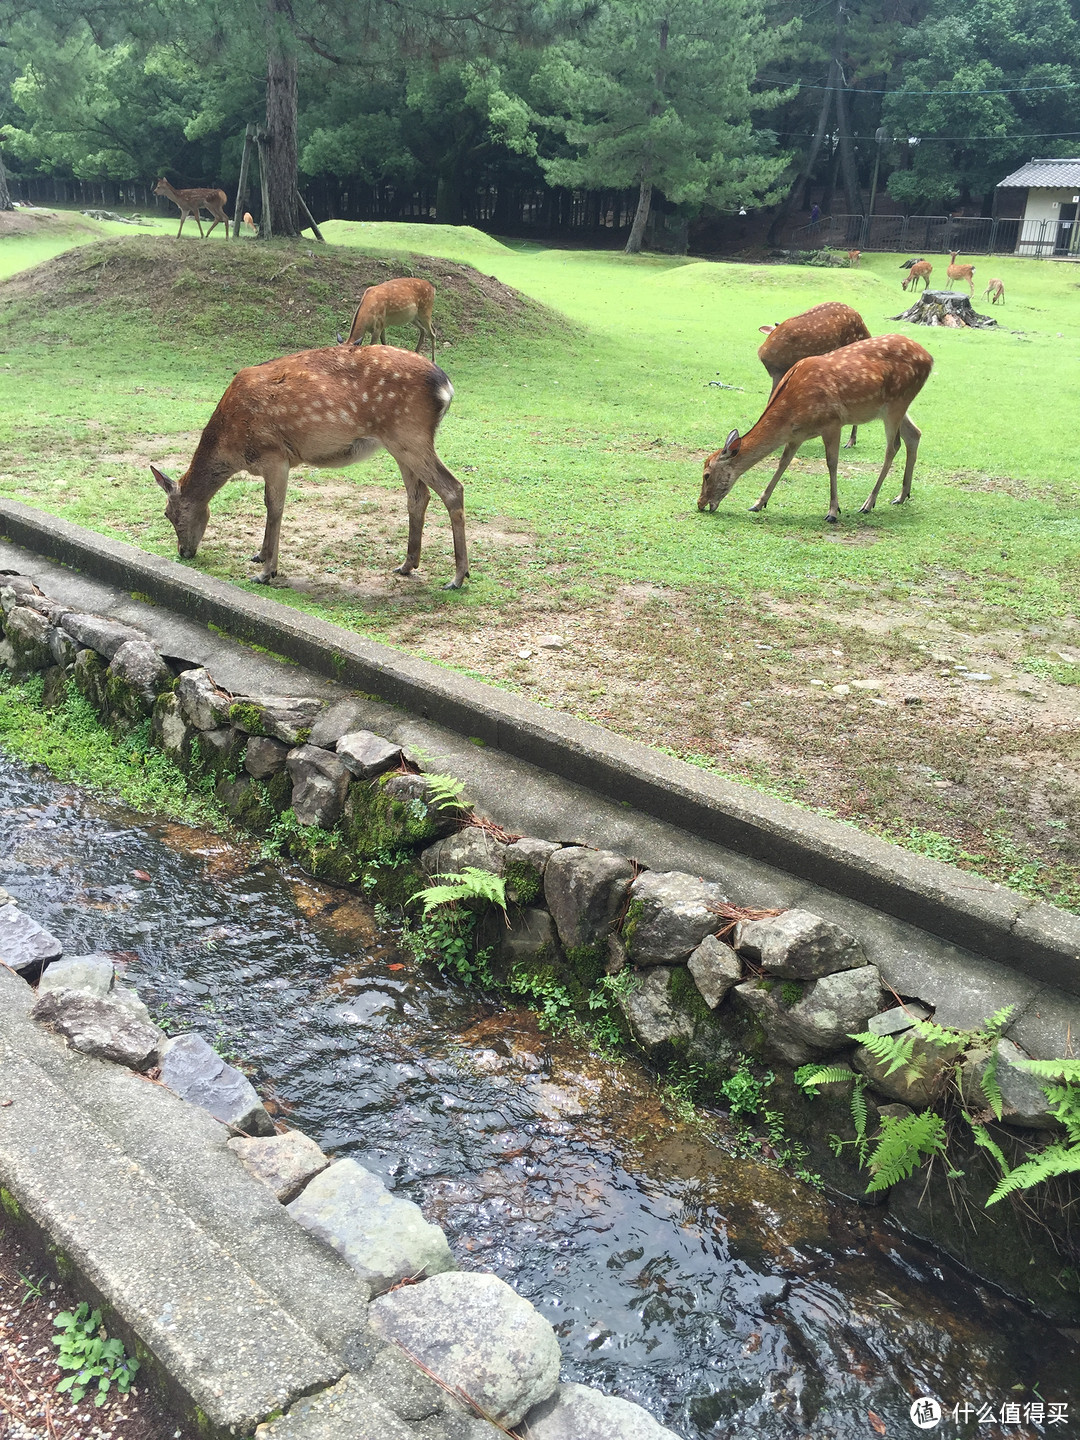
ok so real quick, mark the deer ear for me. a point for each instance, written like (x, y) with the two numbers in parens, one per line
(731, 444)
(766, 329)
(166, 482)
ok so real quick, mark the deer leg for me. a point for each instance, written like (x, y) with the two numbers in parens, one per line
(452, 493)
(183, 217)
(198, 222)
(213, 227)
(785, 460)
(275, 484)
(892, 445)
(831, 439)
(911, 435)
(851, 439)
(418, 495)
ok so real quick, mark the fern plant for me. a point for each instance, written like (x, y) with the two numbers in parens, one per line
(446, 792)
(470, 883)
(1062, 1157)
(903, 1144)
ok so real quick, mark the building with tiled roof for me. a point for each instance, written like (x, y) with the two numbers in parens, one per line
(1049, 215)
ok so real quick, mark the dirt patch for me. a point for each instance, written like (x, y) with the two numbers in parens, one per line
(287, 295)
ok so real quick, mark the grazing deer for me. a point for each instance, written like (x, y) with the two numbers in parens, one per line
(192, 201)
(249, 224)
(996, 291)
(395, 302)
(326, 408)
(871, 380)
(961, 272)
(917, 270)
(853, 258)
(816, 331)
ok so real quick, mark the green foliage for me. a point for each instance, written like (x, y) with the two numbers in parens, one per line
(903, 1144)
(96, 1360)
(743, 1090)
(446, 792)
(522, 881)
(549, 996)
(791, 992)
(1061, 1083)
(459, 888)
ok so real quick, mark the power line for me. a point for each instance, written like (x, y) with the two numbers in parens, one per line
(852, 90)
(1028, 135)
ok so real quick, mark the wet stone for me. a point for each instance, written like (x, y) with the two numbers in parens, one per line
(192, 1070)
(264, 757)
(320, 785)
(585, 891)
(526, 863)
(282, 717)
(577, 1412)
(367, 754)
(919, 1084)
(655, 1021)
(670, 914)
(220, 751)
(136, 676)
(93, 974)
(530, 939)
(94, 631)
(25, 946)
(89, 675)
(169, 730)
(101, 1025)
(28, 634)
(202, 703)
(898, 1019)
(475, 1333)
(384, 1238)
(471, 846)
(797, 945)
(716, 969)
(62, 647)
(803, 1020)
(1023, 1100)
(283, 1162)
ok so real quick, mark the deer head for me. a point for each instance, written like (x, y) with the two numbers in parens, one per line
(720, 474)
(189, 517)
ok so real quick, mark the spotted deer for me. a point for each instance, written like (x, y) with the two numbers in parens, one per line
(873, 379)
(816, 331)
(996, 290)
(325, 408)
(961, 272)
(394, 302)
(192, 201)
(918, 270)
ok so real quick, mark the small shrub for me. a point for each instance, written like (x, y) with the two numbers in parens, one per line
(95, 1360)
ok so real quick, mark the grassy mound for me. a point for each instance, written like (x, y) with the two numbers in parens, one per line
(274, 298)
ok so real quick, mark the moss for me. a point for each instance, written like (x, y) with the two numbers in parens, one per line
(522, 882)
(392, 882)
(767, 985)
(9, 1204)
(303, 735)
(247, 716)
(279, 791)
(791, 992)
(248, 803)
(377, 821)
(327, 860)
(686, 996)
(634, 912)
(586, 963)
(90, 672)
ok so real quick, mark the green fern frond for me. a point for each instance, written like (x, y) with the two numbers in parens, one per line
(997, 1022)
(446, 792)
(902, 1145)
(1067, 1070)
(982, 1137)
(892, 1051)
(989, 1083)
(1054, 1160)
(470, 884)
(940, 1035)
(809, 1077)
(858, 1113)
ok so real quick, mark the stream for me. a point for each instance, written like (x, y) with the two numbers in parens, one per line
(723, 1295)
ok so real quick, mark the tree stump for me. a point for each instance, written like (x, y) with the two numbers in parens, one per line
(946, 307)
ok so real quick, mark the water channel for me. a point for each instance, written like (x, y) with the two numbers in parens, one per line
(721, 1294)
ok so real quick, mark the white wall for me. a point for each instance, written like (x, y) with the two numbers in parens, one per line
(1044, 204)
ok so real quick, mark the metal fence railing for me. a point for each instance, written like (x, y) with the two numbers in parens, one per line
(941, 234)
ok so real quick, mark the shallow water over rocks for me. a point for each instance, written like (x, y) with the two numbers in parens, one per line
(726, 1297)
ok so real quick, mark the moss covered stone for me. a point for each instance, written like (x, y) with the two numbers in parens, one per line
(248, 802)
(394, 812)
(686, 996)
(247, 716)
(90, 670)
(635, 910)
(586, 963)
(523, 883)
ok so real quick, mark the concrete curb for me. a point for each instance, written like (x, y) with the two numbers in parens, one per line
(1027, 935)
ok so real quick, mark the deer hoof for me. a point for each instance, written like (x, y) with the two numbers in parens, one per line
(833, 519)
(756, 509)
(403, 569)
(262, 577)
(900, 500)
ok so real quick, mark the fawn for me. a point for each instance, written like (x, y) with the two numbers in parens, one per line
(395, 302)
(996, 291)
(961, 272)
(917, 270)
(192, 201)
(326, 408)
(815, 332)
(873, 379)
(853, 258)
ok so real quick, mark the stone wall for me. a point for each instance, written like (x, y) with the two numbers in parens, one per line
(697, 982)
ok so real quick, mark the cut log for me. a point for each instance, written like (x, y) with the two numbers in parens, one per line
(945, 307)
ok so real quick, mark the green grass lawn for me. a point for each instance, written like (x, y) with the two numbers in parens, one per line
(579, 432)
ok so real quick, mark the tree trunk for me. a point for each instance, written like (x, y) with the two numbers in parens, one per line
(797, 194)
(280, 148)
(641, 217)
(946, 307)
(852, 193)
(5, 193)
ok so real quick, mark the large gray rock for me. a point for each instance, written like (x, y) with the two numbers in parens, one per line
(716, 970)
(282, 717)
(220, 752)
(471, 846)
(802, 1020)
(169, 730)
(320, 785)
(195, 1072)
(283, 1162)
(367, 754)
(28, 635)
(530, 938)
(53, 610)
(136, 676)
(101, 1025)
(655, 1021)
(343, 718)
(93, 974)
(797, 945)
(577, 1412)
(670, 914)
(62, 647)
(384, 1238)
(1023, 1100)
(97, 633)
(202, 703)
(25, 946)
(17, 590)
(585, 892)
(475, 1333)
(264, 757)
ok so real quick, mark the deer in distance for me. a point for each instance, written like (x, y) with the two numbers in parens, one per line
(853, 258)
(961, 272)
(192, 201)
(873, 379)
(815, 332)
(917, 270)
(326, 408)
(394, 302)
(996, 290)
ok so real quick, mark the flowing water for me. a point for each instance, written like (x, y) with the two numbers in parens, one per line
(722, 1295)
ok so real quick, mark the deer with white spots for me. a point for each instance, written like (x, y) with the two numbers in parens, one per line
(871, 380)
(394, 302)
(325, 408)
(815, 332)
